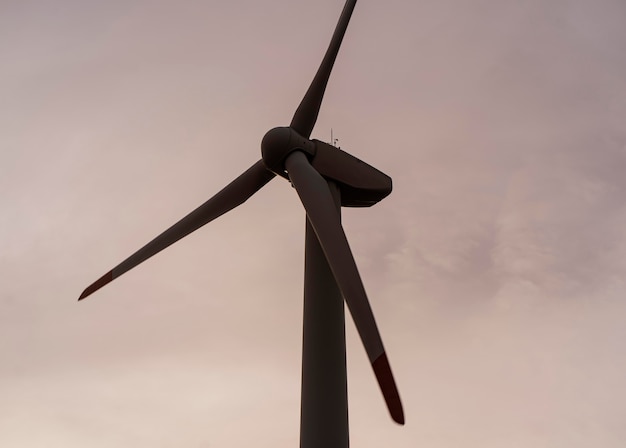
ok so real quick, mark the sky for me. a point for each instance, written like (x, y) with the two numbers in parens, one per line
(496, 268)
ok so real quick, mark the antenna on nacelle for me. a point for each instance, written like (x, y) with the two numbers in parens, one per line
(333, 141)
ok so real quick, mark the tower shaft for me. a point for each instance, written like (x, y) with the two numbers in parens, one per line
(324, 405)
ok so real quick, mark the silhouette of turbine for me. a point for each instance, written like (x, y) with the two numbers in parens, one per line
(325, 179)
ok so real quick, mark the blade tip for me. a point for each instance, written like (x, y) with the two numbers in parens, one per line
(106, 278)
(382, 370)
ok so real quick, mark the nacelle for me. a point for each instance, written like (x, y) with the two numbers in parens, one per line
(361, 184)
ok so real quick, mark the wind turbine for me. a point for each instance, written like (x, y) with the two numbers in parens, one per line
(325, 178)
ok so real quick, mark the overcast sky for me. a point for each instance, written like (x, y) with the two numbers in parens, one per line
(496, 268)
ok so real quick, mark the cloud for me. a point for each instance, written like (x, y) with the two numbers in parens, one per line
(496, 268)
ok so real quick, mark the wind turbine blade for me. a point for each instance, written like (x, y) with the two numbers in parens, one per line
(320, 208)
(234, 194)
(306, 115)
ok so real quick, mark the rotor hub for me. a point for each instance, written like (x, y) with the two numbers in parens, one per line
(278, 143)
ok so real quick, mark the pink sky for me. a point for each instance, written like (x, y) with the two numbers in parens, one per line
(495, 269)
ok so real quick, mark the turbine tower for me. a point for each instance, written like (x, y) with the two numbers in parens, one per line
(326, 179)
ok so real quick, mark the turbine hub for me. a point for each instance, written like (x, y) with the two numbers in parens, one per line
(278, 143)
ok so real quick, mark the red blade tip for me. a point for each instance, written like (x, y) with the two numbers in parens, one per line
(106, 278)
(382, 370)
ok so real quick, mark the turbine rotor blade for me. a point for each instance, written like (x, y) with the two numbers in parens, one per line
(320, 208)
(306, 115)
(234, 194)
